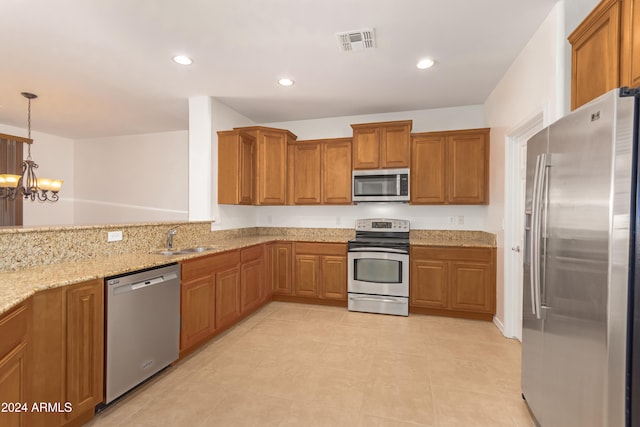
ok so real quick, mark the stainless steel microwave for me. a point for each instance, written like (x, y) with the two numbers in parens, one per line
(380, 185)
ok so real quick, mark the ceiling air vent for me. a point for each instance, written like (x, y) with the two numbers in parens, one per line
(351, 41)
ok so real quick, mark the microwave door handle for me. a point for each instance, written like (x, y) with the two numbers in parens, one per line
(398, 180)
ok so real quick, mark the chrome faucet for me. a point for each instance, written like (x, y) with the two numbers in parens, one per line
(172, 232)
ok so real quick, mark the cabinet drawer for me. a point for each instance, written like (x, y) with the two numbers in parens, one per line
(251, 253)
(321, 248)
(13, 328)
(199, 267)
(448, 253)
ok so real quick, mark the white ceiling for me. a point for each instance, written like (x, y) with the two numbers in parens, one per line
(104, 68)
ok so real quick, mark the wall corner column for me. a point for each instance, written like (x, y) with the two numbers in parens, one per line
(200, 160)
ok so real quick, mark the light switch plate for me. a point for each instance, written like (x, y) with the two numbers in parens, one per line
(114, 236)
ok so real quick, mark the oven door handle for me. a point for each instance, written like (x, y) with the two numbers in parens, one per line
(391, 250)
(392, 300)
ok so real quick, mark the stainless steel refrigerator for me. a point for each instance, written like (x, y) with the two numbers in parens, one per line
(581, 313)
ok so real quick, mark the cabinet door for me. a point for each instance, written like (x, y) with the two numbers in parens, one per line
(334, 277)
(15, 364)
(85, 346)
(282, 268)
(227, 297)
(197, 307)
(251, 284)
(306, 276)
(428, 170)
(271, 167)
(336, 173)
(429, 283)
(394, 146)
(630, 55)
(306, 173)
(471, 286)
(595, 54)
(236, 167)
(13, 384)
(366, 148)
(247, 169)
(468, 159)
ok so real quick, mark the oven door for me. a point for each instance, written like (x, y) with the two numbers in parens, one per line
(378, 271)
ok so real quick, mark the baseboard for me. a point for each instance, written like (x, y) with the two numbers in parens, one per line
(499, 325)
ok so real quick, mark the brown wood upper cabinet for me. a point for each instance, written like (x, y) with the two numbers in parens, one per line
(252, 165)
(605, 50)
(450, 167)
(236, 168)
(271, 164)
(383, 145)
(320, 172)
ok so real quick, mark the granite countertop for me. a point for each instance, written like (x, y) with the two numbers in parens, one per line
(18, 285)
(466, 239)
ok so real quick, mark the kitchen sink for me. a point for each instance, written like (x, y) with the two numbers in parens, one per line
(185, 251)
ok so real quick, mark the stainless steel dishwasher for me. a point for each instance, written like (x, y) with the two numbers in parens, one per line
(143, 326)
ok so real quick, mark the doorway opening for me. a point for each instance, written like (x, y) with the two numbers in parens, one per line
(515, 180)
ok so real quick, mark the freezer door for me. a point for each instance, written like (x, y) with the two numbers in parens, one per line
(574, 294)
(532, 338)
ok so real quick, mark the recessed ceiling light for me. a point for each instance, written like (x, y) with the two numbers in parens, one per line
(182, 60)
(425, 63)
(285, 82)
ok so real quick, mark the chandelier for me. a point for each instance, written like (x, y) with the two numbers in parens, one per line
(28, 185)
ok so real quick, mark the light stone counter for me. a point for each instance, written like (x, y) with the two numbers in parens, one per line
(467, 239)
(63, 256)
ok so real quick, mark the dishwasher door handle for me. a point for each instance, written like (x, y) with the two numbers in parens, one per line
(124, 288)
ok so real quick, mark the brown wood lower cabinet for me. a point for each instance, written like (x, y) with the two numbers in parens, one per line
(204, 281)
(227, 305)
(197, 304)
(282, 268)
(218, 290)
(457, 282)
(252, 278)
(320, 272)
(68, 352)
(15, 380)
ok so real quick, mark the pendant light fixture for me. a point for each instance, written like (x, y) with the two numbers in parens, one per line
(28, 185)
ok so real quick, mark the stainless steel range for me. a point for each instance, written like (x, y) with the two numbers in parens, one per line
(379, 267)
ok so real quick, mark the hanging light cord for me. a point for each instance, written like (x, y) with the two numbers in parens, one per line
(29, 127)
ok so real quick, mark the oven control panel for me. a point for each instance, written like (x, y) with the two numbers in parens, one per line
(382, 225)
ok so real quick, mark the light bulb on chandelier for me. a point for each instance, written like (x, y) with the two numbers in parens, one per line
(28, 185)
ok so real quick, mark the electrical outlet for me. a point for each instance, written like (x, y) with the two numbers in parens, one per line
(452, 220)
(114, 236)
(460, 220)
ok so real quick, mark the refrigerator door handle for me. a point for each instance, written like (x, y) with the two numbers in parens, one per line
(544, 197)
(536, 227)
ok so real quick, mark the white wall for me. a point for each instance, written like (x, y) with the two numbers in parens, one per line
(134, 178)
(470, 116)
(421, 217)
(533, 83)
(54, 156)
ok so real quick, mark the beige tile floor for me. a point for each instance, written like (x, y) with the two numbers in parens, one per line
(304, 365)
